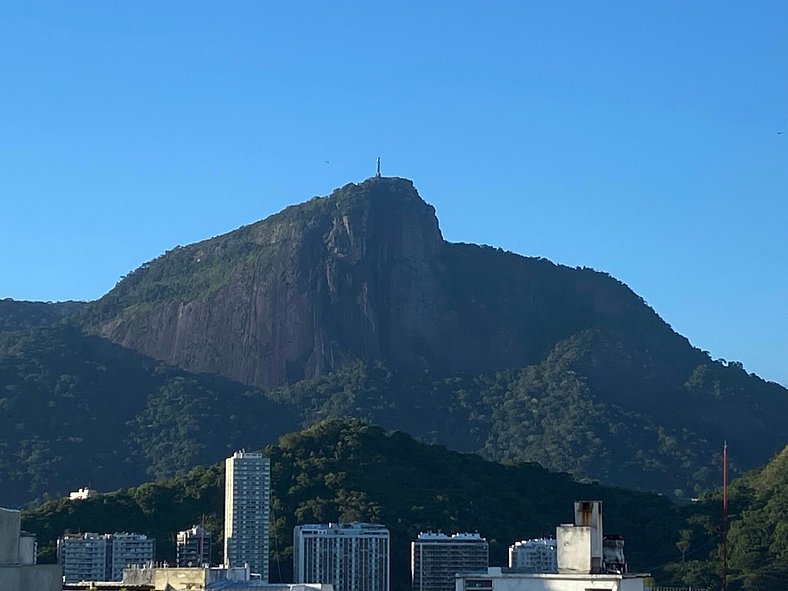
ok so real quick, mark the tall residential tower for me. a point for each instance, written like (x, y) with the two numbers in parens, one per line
(247, 506)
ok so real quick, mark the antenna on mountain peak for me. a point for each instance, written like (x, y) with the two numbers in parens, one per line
(377, 170)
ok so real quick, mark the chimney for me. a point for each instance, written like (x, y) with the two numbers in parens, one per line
(579, 544)
(589, 514)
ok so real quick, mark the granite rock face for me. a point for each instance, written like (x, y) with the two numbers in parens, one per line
(361, 274)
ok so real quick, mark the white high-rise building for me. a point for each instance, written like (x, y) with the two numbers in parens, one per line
(537, 556)
(436, 557)
(349, 556)
(247, 507)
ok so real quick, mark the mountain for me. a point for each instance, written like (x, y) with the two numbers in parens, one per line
(365, 274)
(345, 470)
(353, 305)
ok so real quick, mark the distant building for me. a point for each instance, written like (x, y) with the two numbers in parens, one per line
(102, 557)
(18, 568)
(84, 557)
(349, 556)
(537, 556)
(82, 494)
(128, 550)
(193, 547)
(247, 506)
(437, 557)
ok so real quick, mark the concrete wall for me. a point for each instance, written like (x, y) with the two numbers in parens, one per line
(40, 577)
(559, 582)
(554, 585)
(138, 576)
(574, 548)
(10, 526)
(178, 578)
(27, 549)
(637, 584)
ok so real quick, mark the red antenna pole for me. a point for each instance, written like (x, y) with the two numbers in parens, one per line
(725, 516)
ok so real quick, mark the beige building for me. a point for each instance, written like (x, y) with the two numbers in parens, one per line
(18, 568)
(206, 579)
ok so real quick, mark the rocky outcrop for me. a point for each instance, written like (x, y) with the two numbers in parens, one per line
(361, 274)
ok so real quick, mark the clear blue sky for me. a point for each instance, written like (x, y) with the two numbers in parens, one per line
(638, 138)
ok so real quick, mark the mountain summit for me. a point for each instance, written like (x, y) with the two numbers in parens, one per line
(361, 274)
(353, 275)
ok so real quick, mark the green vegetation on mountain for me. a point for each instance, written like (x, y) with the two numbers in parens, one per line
(18, 315)
(77, 410)
(757, 533)
(479, 349)
(553, 413)
(345, 470)
(353, 305)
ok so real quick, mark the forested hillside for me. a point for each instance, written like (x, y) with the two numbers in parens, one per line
(757, 533)
(344, 471)
(554, 413)
(77, 410)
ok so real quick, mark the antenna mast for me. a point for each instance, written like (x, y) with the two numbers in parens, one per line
(725, 516)
(202, 541)
(377, 171)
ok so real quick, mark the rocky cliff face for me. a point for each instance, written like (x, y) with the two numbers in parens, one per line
(363, 273)
(354, 275)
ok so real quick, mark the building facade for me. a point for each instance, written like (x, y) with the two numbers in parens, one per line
(349, 556)
(247, 508)
(536, 556)
(82, 494)
(437, 557)
(193, 547)
(102, 557)
(129, 550)
(83, 556)
(18, 568)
